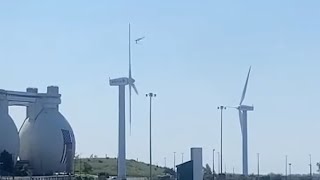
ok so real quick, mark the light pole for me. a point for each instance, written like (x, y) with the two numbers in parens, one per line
(286, 167)
(213, 171)
(310, 166)
(150, 95)
(165, 162)
(218, 154)
(221, 109)
(174, 164)
(258, 168)
(290, 170)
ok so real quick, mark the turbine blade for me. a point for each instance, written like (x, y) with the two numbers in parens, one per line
(129, 53)
(130, 107)
(135, 89)
(245, 87)
(130, 75)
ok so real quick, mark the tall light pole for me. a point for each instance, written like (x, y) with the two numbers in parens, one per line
(218, 154)
(258, 168)
(174, 164)
(310, 165)
(290, 170)
(213, 171)
(221, 109)
(150, 95)
(286, 167)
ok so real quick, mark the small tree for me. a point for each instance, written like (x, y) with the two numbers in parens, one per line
(169, 171)
(318, 164)
(207, 173)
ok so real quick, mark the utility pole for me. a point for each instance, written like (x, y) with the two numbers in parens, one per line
(221, 109)
(150, 95)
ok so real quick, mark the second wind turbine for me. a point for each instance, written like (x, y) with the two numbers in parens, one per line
(121, 83)
(243, 109)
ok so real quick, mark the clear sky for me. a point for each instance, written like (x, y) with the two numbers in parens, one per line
(195, 57)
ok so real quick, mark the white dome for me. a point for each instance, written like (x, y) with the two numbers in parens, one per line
(48, 142)
(9, 137)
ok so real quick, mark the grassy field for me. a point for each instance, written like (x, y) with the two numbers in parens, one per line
(109, 165)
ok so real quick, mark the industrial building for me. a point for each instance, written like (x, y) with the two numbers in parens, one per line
(193, 169)
(45, 140)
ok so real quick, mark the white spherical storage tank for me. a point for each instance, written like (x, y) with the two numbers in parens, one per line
(47, 140)
(9, 137)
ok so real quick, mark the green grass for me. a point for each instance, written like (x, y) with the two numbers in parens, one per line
(109, 165)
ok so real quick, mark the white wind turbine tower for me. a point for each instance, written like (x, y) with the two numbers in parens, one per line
(243, 109)
(122, 82)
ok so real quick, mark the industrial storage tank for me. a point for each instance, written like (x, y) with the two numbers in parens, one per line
(46, 137)
(9, 137)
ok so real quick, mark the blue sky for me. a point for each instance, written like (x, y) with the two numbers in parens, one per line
(195, 57)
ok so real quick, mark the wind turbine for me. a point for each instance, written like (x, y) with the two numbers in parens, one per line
(243, 109)
(121, 83)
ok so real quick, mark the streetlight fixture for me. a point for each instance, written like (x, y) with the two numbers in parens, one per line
(221, 110)
(150, 95)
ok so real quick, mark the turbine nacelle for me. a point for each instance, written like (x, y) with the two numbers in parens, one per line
(119, 81)
(245, 108)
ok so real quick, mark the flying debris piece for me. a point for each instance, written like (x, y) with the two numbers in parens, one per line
(139, 39)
